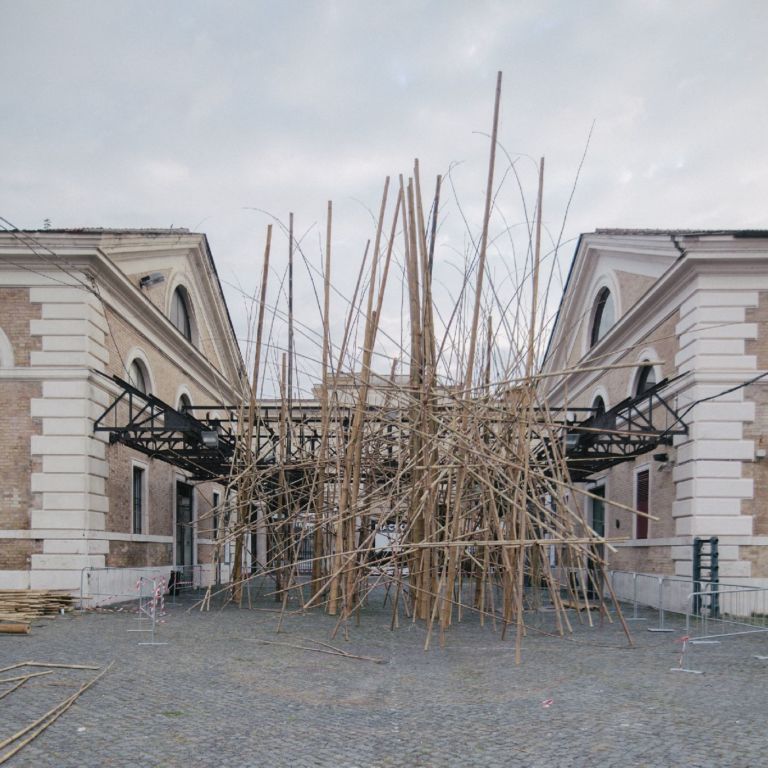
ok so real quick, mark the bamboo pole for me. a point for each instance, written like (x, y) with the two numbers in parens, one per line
(452, 554)
(317, 570)
(237, 577)
(47, 719)
(461, 459)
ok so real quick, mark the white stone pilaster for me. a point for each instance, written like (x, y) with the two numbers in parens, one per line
(709, 482)
(71, 481)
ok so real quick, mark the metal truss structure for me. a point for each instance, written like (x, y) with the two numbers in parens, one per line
(206, 445)
(633, 427)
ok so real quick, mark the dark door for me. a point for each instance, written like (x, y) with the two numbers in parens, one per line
(598, 526)
(185, 531)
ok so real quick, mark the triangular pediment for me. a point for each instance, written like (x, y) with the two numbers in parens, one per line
(627, 266)
(159, 264)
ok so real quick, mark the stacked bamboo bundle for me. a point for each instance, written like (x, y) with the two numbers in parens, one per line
(458, 457)
(27, 604)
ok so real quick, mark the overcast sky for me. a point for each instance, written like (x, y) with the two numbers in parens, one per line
(192, 114)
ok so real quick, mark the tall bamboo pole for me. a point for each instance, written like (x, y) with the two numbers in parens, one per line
(319, 537)
(453, 554)
(248, 489)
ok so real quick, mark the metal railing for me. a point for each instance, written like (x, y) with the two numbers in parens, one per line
(667, 594)
(740, 611)
(716, 613)
(101, 587)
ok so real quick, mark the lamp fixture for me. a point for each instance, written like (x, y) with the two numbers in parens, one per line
(210, 438)
(153, 278)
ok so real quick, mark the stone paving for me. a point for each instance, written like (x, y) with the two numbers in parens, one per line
(216, 696)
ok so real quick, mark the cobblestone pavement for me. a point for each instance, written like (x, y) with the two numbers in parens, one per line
(216, 696)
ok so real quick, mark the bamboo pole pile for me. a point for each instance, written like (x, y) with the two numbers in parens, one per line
(444, 485)
(26, 604)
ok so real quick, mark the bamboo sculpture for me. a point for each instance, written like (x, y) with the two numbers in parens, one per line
(468, 471)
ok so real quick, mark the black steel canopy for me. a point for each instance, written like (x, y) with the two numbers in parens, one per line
(205, 447)
(588, 440)
(631, 428)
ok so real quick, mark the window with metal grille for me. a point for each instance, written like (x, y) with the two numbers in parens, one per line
(642, 489)
(138, 499)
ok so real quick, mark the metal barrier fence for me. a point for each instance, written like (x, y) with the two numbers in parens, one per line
(716, 613)
(667, 594)
(105, 586)
(712, 611)
(739, 611)
(637, 589)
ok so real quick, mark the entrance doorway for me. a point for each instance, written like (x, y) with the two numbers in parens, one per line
(185, 531)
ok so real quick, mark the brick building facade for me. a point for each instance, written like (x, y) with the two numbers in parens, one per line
(642, 306)
(144, 305)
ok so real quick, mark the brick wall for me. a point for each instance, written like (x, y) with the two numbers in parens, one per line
(758, 469)
(204, 501)
(756, 556)
(758, 346)
(160, 478)
(758, 429)
(619, 481)
(649, 559)
(632, 287)
(17, 426)
(621, 488)
(158, 293)
(16, 463)
(167, 376)
(619, 382)
(15, 314)
(133, 554)
(205, 553)
(15, 554)
(166, 373)
(159, 519)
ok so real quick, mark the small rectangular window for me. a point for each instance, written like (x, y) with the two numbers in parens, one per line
(138, 499)
(642, 489)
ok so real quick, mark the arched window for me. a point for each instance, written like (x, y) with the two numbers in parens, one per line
(137, 376)
(646, 379)
(603, 316)
(184, 403)
(180, 312)
(598, 406)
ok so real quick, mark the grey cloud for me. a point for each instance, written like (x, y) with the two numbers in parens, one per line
(152, 114)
